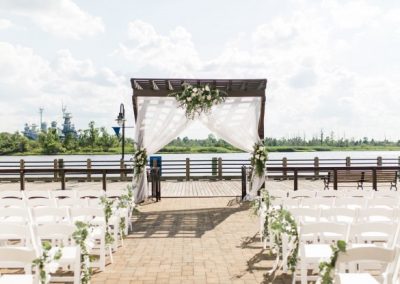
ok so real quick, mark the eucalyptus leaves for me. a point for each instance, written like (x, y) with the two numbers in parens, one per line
(47, 262)
(326, 268)
(198, 99)
(259, 158)
(279, 223)
(81, 238)
(140, 161)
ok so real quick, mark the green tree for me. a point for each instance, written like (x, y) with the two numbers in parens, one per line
(50, 142)
(106, 141)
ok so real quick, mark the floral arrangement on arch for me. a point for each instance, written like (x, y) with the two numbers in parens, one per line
(198, 99)
(259, 158)
(140, 161)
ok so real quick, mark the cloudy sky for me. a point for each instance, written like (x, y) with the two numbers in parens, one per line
(332, 65)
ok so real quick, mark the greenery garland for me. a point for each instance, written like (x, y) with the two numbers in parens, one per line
(198, 99)
(107, 204)
(80, 237)
(125, 201)
(140, 161)
(279, 221)
(326, 268)
(45, 260)
(259, 158)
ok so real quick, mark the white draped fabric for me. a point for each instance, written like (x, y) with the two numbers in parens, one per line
(236, 121)
(159, 120)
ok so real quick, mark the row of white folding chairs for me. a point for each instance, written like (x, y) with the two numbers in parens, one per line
(349, 202)
(316, 240)
(63, 214)
(61, 193)
(28, 239)
(333, 193)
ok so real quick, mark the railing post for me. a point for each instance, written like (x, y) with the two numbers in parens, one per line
(104, 179)
(374, 180)
(122, 167)
(284, 165)
(335, 187)
(62, 173)
(295, 180)
(316, 165)
(22, 174)
(379, 161)
(348, 161)
(220, 168)
(244, 182)
(89, 167)
(187, 168)
(55, 166)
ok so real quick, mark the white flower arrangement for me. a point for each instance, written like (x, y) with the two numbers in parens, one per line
(196, 100)
(259, 158)
(140, 161)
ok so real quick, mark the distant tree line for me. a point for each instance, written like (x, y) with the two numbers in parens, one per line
(98, 140)
(90, 140)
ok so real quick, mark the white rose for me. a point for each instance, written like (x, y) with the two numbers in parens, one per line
(207, 88)
(215, 101)
(262, 158)
(193, 95)
(189, 99)
(209, 97)
(53, 266)
(195, 90)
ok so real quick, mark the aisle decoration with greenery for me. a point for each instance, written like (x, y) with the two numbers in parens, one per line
(47, 263)
(259, 158)
(125, 201)
(140, 161)
(327, 269)
(278, 222)
(108, 210)
(81, 238)
(198, 99)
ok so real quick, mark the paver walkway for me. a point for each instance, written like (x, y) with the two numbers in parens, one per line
(191, 240)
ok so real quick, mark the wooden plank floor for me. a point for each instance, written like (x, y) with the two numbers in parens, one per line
(200, 188)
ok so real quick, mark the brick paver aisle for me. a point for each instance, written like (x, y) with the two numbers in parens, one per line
(190, 240)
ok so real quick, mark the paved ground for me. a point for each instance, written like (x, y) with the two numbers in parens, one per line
(191, 240)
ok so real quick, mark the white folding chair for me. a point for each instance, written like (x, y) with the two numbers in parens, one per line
(322, 203)
(382, 233)
(276, 193)
(16, 235)
(351, 202)
(383, 202)
(352, 259)
(305, 215)
(377, 214)
(90, 193)
(60, 236)
(71, 202)
(45, 215)
(12, 202)
(321, 235)
(302, 193)
(4, 194)
(63, 194)
(339, 215)
(15, 215)
(17, 257)
(94, 216)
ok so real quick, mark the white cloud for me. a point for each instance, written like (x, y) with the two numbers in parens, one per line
(5, 24)
(62, 18)
(29, 81)
(171, 55)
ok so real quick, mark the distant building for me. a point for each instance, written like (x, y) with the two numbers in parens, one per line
(32, 131)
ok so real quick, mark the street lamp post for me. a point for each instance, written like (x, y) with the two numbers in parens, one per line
(121, 122)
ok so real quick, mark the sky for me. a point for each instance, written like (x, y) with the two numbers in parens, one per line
(330, 64)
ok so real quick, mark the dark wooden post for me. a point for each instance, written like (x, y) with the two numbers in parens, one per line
(22, 174)
(122, 167)
(316, 165)
(295, 180)
(374, 181)
(244, 182)
(348, 161)
(187, 169)
(55, 166)
(284, 165)
(104, 178)
(335, 187)
(62, 173)
(379, 161)
(89, 167)
(220, 168)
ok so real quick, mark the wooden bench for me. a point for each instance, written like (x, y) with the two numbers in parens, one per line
(361, 177)
(345, 176)
(382, 176)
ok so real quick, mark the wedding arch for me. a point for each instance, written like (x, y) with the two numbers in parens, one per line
(159, 117)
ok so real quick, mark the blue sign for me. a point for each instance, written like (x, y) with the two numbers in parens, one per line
(156, 161)
(116, 130)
